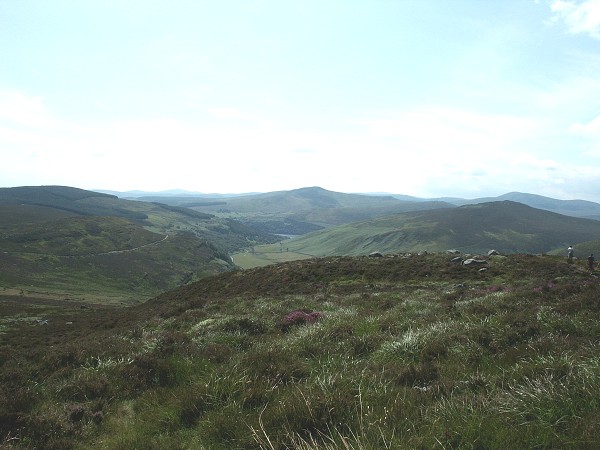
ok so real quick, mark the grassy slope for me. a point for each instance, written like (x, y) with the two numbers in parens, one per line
(508, 227)
(582, 250)
(412, 352)
(69, 242)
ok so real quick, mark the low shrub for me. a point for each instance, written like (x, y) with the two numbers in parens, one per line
(299, 317)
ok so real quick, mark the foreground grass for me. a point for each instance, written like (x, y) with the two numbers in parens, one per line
(402, 352)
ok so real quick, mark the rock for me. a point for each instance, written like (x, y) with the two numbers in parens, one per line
(492, 253)
(456, 260)
(483, 269)
(453, 252)
(375, 255)
(469, 261)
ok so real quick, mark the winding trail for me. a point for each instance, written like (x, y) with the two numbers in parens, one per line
(89, 255)
(131, 249)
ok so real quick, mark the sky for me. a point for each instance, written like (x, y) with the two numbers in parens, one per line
(444, 98)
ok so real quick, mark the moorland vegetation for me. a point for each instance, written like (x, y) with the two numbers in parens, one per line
(403, 351)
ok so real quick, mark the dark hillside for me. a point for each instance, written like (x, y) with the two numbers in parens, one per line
(347, 352)
(46, 195)
(15, 215)
(76, 236)
(574, 208)
(508, 227)
(73, 200)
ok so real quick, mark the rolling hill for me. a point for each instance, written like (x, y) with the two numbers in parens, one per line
(506, 226)
(62, 241)
(299, 211)
(575, 208)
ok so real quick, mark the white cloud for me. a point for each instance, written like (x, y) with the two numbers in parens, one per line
(430, 151)
(592, 128)
(451, 133)
(18, 109)
(588, 137)
(232, 113)
(579, 17)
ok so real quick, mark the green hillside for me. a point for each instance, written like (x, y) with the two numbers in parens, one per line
(300, 211)
(62, 242)
(75, 236)
(582, 250)
(508, 227)
(335, 353)
(70, 200)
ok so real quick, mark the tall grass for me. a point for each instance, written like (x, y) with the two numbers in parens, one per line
(417, 362)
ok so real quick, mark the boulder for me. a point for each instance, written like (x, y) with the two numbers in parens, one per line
(493, 253)
(474, 261)
(376, 255)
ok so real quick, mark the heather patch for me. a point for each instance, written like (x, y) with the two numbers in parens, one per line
(299, 317)
(434, 356)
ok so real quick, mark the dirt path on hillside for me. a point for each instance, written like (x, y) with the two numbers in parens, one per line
(112, 252)
(131, 249)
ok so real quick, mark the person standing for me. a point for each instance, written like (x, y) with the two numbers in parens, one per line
(570, 253)
(591, 262)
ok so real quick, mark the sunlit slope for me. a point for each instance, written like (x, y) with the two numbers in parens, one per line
(582, 249)
(506, 226)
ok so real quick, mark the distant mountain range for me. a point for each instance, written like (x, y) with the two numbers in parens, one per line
(136, 194)
(57, 236)
(333, 223)
(317, 197)
(298, 211)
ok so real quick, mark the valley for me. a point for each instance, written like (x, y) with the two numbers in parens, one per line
(63, 242)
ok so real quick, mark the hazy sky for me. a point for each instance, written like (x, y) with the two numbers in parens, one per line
(427, 98)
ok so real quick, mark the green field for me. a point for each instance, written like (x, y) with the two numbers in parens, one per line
(263, 255)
